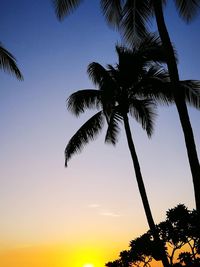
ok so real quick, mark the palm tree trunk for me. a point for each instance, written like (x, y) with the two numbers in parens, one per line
(179, 101)
(143, 194)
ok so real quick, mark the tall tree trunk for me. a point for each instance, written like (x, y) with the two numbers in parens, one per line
(158, 242)
(179, 101)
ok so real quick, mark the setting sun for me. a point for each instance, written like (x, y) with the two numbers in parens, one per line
(88, 265)
(87, 87)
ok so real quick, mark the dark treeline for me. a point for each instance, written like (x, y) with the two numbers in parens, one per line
(180, 233)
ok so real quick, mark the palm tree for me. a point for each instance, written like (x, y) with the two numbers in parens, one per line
(132, 20)
(121, 92)
(131, 16)
(187, 10)
(8, 63)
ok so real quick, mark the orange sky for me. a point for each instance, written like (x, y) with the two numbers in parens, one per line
(51, 216)
(58, 256)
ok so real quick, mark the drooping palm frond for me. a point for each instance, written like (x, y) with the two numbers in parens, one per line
(191, 90)
(144, 112)
(86, 133)
(155, 84)
(151, 48)
(107, 85)
(148, 49)
(81, 100)
(8, 63)
(132, 61)
(65, 7)
(98, 74)
(112, 10)
(113, 128)
(130, 16)
(188, 9)
(135, 18)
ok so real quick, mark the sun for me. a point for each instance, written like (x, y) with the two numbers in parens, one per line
(88, 265)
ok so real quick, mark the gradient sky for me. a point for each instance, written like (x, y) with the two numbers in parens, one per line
(51, 216)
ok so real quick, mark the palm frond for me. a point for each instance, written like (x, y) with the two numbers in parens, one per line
(8, 63)
(112, 10)
(191, 89)
(133, 61)
(65, 7)
(150, 40)
(135, 17)
(151, 48)
(148, 49)
(84, 99)
(106, 83)
(98, 74)
(155, 84)
(188, 9)
(87, 132)
(144, 113)
(113, 128)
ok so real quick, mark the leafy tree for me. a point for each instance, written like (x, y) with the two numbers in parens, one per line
(131, 17)
(8, 63)
(181, 234)
(116, 263)
(181, 228)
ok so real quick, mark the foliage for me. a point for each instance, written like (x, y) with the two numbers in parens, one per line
(8, 63)
(179, 232)
(131, 17)
(124, 88)
(134, 85)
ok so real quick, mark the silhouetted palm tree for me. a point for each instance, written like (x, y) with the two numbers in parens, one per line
(121, 92)
(187, 10)
(130, 16)
(8, 63)
(132, 20)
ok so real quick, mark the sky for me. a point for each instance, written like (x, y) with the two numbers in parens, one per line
(53, 216)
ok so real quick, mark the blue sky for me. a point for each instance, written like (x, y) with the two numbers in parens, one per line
(40, 200)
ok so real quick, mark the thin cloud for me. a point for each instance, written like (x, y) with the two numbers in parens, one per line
(110, 214)
(104, 212)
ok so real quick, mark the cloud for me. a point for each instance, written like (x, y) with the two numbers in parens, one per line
(110, 214)
(103, 212)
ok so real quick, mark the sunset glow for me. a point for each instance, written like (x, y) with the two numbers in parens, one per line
(88, 265)
(86, 214)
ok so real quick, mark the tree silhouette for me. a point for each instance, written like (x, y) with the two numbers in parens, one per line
(181, 234)
(8, 63)
(181, 228)
(131, 17)
(121, 92)
(187, 9)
